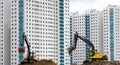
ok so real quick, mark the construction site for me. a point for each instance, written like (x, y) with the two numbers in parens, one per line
(96, 62)
(94, 58)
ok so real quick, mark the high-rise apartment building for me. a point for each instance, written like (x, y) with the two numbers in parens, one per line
(94, 29)
(46, 24)
(4, 32)
(111, 32)
(89, 26)
(78, 24)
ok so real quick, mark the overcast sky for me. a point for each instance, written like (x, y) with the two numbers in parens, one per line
(82, 5)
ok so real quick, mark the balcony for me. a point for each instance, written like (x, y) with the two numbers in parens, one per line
(61, 1)
(20, 29)
(61, 17)
(61, 60)
(61, 32)
(61, 50)
(61, 11)
(61, 25)
(61, 14)
(61, 7)
(61, 42)
(61, 28)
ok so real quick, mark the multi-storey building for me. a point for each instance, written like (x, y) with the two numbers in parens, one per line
(78, 24)
(4, 32)
(89, 26)
(111, 32)
(94, 29)
(46, 24)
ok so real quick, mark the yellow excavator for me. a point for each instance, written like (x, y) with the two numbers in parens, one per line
(30, 58)
(92, 54)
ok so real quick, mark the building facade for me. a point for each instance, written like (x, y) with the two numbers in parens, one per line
(4, 32)
(46, 24)
(78, 24)
(94, 29)
(71, 40)
(111, 32)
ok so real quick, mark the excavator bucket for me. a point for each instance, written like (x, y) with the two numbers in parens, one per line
(21, 49)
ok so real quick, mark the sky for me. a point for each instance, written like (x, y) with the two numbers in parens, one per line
(82, 5)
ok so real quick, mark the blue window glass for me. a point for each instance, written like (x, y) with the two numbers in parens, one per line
(21, 5)
(62, 35)
(61, 21)
(61, 50)
(20, 17)
(20, 29)
(61, 42)
(61, 39)
(61, 32)
(61, 17)
(20, 2)
(21, 13)
(61, 14)
(61, 11)
(61, 28)
(61, 4)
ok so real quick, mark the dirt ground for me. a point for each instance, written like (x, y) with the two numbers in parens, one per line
(96, 62)
(102, 62)
(42, 62)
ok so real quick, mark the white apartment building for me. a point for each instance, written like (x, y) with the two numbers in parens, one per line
(79, 54)
(95, 28)
(111, 32)
(46, 24)
(4, 32)
(88, 25)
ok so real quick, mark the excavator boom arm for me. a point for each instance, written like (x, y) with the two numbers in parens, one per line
(88, 42)
(83, 39)
(28, 46)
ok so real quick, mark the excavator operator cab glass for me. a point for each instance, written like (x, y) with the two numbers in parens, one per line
(91, 53)
(32, 54)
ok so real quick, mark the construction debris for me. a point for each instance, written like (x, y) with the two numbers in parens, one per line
(42, 62)
(102, 62)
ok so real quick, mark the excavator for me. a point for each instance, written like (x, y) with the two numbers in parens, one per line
(92, 54)
(30, 58)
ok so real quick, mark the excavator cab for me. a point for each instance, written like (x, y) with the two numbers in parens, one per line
(32, 57)
(92, 53)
